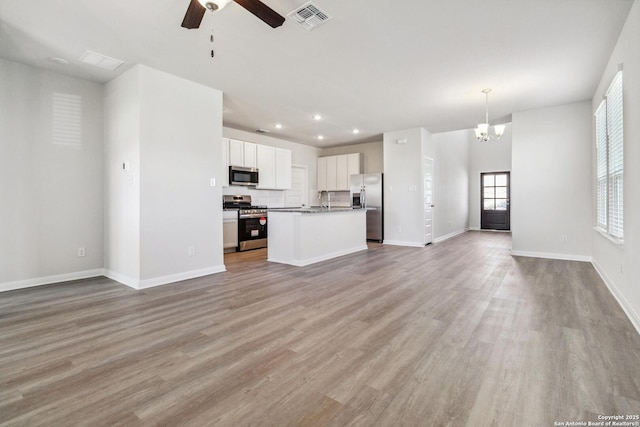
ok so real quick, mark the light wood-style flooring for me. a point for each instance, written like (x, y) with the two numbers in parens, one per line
(458, 333)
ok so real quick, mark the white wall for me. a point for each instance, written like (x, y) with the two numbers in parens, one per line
(122, 187)
(451, 184)
(50, 194)
(403, 195)
(551, 182)
(180, 149)
(490, 156)
(300, 155)
(620, 266)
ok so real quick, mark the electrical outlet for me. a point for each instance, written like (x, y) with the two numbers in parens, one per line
(212, 182)
(81, 252)
(399, 229)
(564, 239)
(191, 250)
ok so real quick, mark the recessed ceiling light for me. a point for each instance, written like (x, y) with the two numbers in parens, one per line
(355, 131)
(320, 137)
(278, 125)
(317, 117)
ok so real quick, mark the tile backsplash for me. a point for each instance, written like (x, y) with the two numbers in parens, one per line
(277, 198)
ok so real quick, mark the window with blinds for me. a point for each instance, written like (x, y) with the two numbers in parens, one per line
(610, 161)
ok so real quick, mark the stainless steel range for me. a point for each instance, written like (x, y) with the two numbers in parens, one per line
(252, 221)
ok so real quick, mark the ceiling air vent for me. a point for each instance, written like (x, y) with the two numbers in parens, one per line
(309, 16)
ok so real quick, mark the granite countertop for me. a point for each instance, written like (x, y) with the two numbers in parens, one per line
(318, 209)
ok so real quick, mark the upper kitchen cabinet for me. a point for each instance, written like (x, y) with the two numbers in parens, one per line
(283, 169)
(274, 168)
(332, 179)
(334, 171)
(322, 173)
(353, 166)
(225, 161)
(242, 153)
(266, 161)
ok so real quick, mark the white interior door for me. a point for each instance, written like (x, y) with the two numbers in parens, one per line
(428, 199)
(298, 195)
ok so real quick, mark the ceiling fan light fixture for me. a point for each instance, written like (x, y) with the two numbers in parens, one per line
(214, 4)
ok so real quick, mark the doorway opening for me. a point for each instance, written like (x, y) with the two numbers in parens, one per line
(495, 205)
(428, 199)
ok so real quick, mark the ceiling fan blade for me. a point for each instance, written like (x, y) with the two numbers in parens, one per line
(262, 11)
(194, 15)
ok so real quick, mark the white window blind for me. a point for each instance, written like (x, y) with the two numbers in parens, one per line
(610, 161)
(601, 166)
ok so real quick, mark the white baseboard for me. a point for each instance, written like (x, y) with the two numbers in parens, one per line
(401, 243)
(47, 280)
(550, 255)
(450, 235)
(163, 280)
(121, 278)
(488, 230)
(309, 261)
(622, 301)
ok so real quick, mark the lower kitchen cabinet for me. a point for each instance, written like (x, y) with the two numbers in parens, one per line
(230, 230)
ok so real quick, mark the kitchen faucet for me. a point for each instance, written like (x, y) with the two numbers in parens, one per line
(320, 196)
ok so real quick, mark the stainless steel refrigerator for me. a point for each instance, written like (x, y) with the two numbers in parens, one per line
(366, 192)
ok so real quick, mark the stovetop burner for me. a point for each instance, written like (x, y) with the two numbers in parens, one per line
(244, 206)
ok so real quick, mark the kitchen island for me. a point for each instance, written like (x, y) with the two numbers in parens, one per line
(303, 236)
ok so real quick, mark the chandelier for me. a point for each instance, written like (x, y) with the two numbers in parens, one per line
(482, 131)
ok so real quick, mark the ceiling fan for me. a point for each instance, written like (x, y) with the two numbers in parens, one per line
(197, 8)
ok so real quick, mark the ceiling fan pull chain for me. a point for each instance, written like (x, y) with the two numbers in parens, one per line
(211, 36)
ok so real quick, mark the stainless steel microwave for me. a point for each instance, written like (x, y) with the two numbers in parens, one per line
(239, 175)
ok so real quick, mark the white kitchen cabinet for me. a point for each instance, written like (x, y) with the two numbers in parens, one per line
(266, 163)
(342, 172)
(353, 166)
(283, 169)
(229, 230)
(274, 168)
(236, 152)
(322, 173)
(225, 162)
(334, 172)
(242, 153)
(250, 155)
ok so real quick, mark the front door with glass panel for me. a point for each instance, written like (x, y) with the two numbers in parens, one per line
(495, 211)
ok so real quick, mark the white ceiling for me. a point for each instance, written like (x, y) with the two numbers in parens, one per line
(377, 66)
